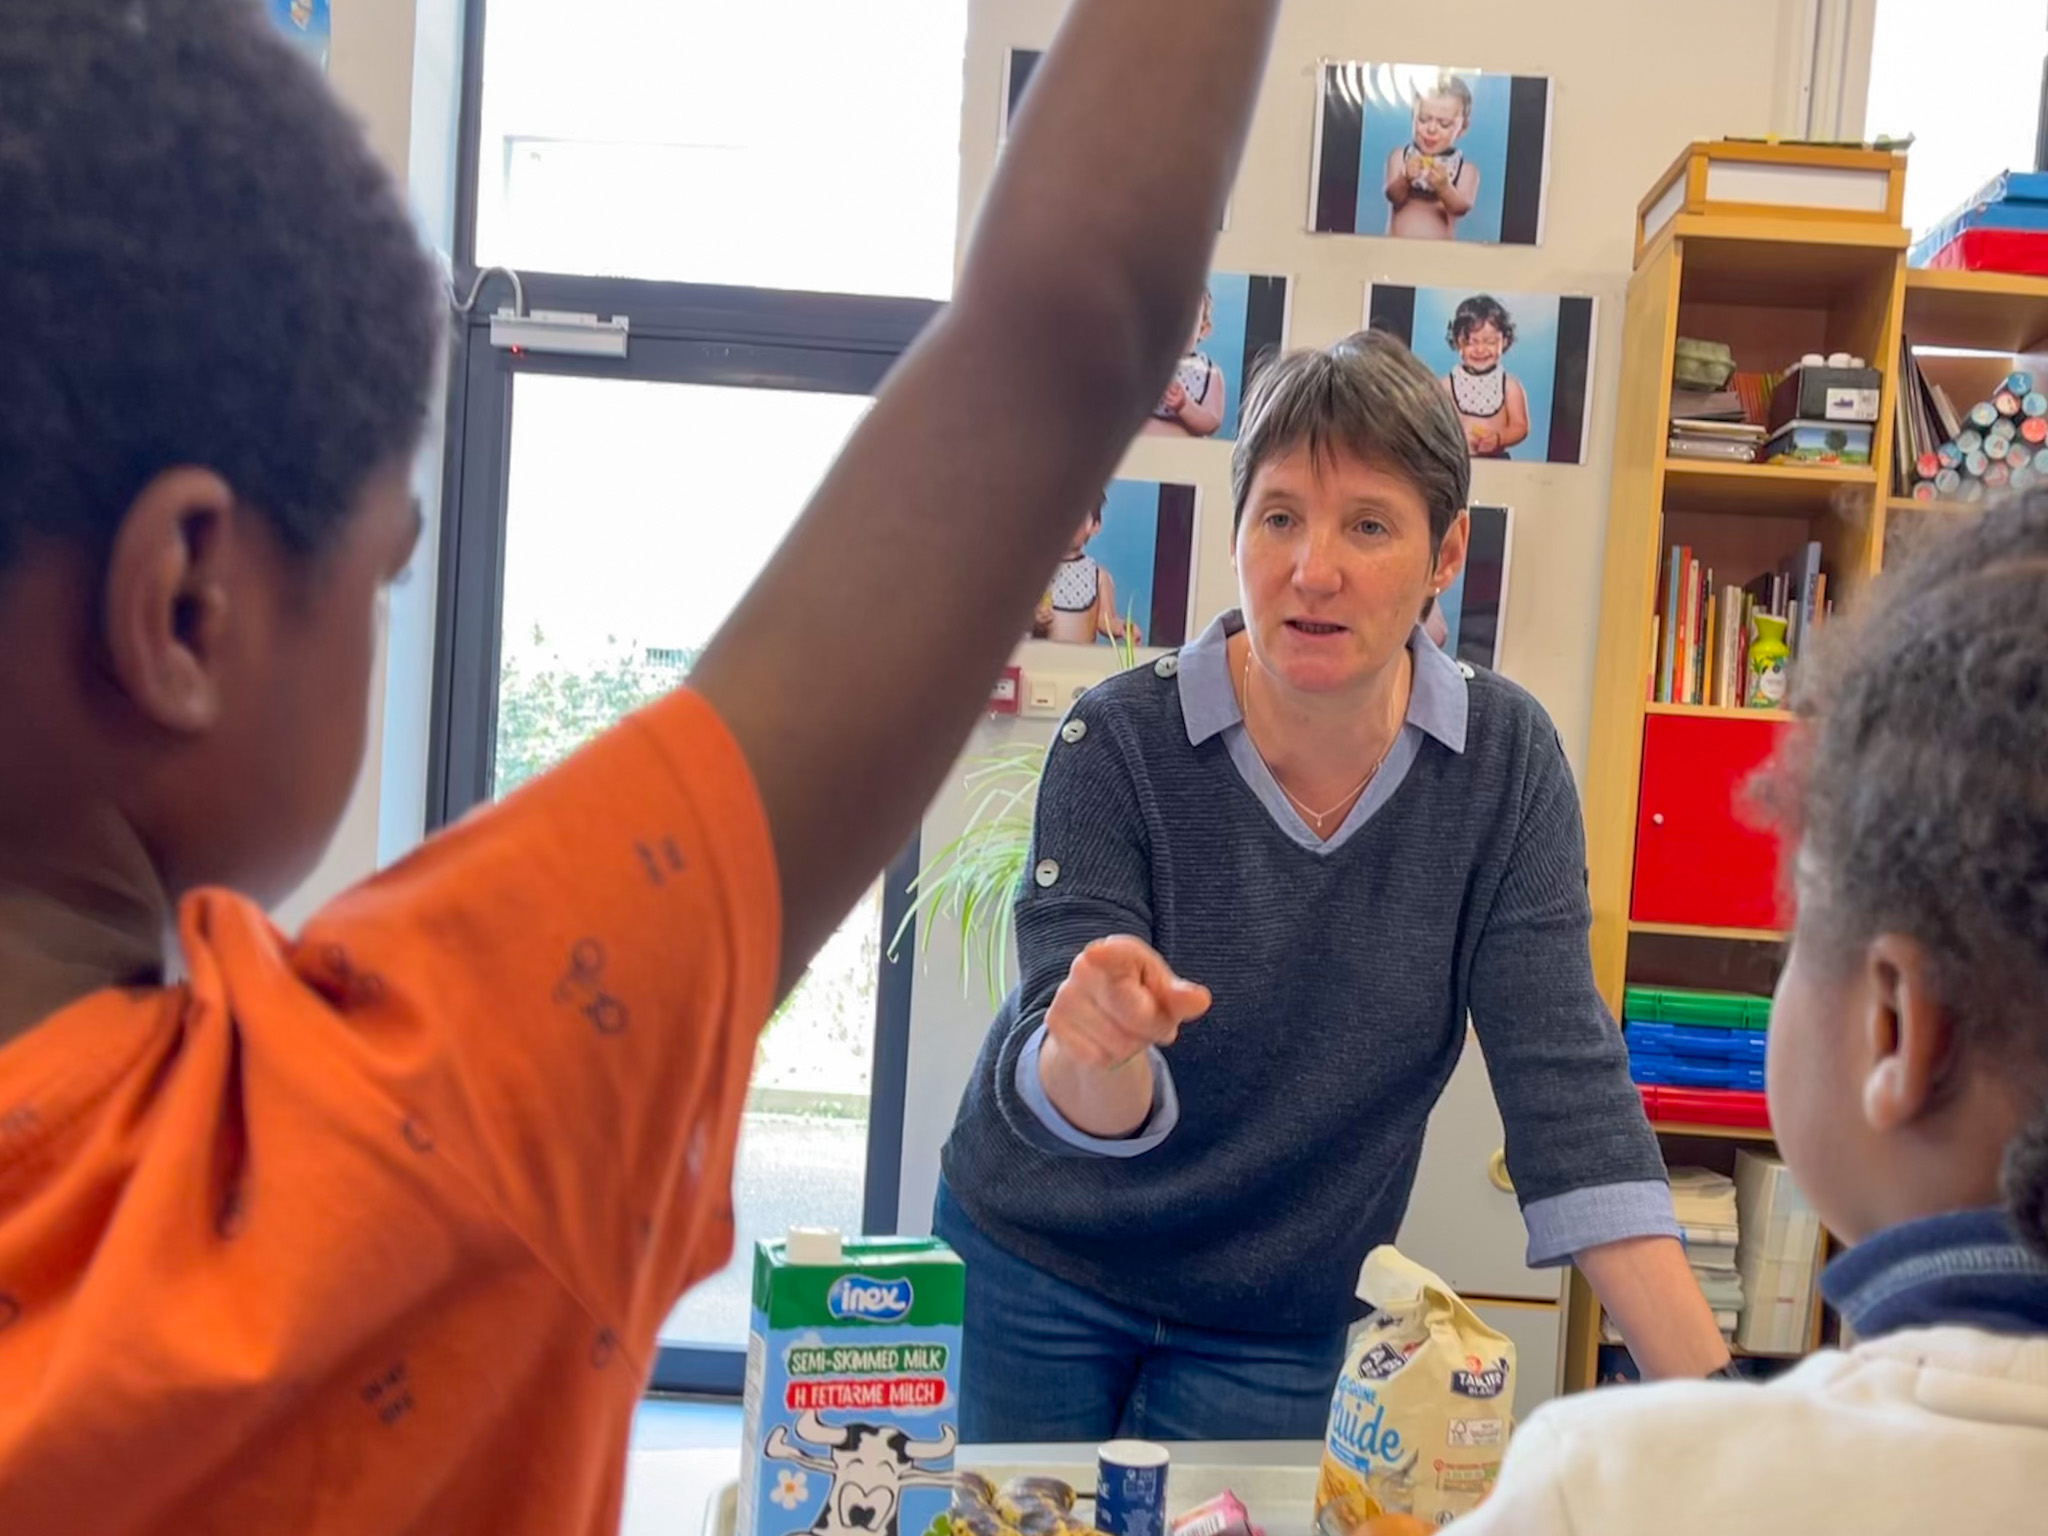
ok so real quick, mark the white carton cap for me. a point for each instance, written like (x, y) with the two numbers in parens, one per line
(815, 1245)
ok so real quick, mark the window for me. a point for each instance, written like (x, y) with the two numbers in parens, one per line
(808, 144)
(1964, 78)
(767, 193)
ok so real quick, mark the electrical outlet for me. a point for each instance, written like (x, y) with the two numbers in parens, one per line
(1043, 698)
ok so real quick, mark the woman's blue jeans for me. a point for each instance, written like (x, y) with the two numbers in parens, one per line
(1048, 1362)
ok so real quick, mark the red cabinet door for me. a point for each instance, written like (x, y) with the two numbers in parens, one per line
(1700, 858)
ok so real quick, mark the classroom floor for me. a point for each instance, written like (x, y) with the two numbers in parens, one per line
(682, 1454)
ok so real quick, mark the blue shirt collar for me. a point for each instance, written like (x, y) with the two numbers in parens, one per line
(1437, 700)
(1965, 1268)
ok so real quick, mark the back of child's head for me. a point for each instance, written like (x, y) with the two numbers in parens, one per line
(203, 264)
(1919, 798)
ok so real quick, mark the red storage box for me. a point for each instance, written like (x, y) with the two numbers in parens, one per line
(1739, 1108)
(1994, 250)
(1701, 860)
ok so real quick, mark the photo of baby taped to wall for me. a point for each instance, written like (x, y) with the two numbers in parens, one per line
(1467, 618)
(1430, 152)
(1128, 572)
(1518, 366)
(1242, 318)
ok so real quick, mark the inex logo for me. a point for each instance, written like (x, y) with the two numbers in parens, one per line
(857, 1298)
(1481, 1380)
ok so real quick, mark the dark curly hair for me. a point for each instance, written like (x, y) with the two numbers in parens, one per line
(1480, 309)
(202, 263)
(1917, 791)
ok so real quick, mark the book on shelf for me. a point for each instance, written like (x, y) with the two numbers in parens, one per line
(1705, 407)
(1701, 631)
(1951, 455)
(1667, 662)
(1725, 441)
(1778, 1256)
(1727, 1319)
(1710, 449)
(1712, 425)
(1692, 631)
(1734, 618)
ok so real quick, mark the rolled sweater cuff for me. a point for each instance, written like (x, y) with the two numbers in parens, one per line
(1157, 1127)
(1566, 1225)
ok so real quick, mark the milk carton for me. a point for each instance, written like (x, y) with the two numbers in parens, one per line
(853, 1386)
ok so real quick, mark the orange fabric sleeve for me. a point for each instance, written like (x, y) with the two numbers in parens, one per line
(564, 992)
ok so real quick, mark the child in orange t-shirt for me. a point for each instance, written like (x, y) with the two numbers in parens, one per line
(371, 1230)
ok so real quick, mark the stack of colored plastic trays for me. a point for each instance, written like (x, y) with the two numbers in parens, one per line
(1698, 1056)
(2002, 227)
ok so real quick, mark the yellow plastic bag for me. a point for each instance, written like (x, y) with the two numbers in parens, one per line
(1420, 1418)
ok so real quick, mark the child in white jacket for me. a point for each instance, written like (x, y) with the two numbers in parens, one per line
(1909, 1090)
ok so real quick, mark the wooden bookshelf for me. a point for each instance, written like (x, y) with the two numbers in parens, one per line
(1715, 1132)
(1771, 287)
(1700, 931)
(1763, 490)
(1716, 712)
(1786, 259)
(1906, 506)
(1977, 311)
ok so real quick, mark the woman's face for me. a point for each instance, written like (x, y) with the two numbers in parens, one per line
(1481, 347)
(1334, 562)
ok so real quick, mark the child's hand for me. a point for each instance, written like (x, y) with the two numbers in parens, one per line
(1041, 621)
(1416, 167)
(1434, 174)
(1484, 440)
(1176, 398)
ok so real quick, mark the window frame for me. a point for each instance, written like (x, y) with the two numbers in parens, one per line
(681, 333)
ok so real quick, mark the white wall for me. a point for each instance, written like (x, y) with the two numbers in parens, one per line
(397, 63)
(1635, 80)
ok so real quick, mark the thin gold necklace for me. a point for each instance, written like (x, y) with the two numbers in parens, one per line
(1316, 817)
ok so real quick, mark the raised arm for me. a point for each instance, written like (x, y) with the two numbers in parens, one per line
(958, 491)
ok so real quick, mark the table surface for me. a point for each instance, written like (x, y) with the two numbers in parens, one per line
(687, 1492)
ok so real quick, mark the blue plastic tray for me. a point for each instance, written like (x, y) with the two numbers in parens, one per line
(1701, 1041)
(1662, 1071)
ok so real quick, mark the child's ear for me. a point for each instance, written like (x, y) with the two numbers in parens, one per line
(166, 597)
(1909, 1034)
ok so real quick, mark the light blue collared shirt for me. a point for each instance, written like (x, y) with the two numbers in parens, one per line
(1558, 1227)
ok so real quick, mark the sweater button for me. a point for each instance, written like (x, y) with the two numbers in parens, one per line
(1073, 731)
(1047, 874)
(1166, 666)
(1465, 671)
